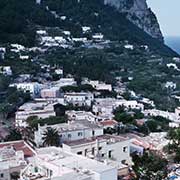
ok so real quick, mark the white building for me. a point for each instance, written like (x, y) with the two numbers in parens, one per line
(32, 87)
(105, 148)
(177, 111)
(75, 130)
(38, 1)
(24, 57)
(170, 85)
(17, 48)
(86, 29)
(41, 32)
(2, 53)
(63, 18)
(104, 107)
(79, 99)
(81, 115)
(67, 33)
(13, 158)
(168, 115)
(129, 46)
(173, 65)
(64, 82)
(11, 161)
(56, 164)
(80, 39)
(6, 70)
(98, 37)
(59, 71)
(98, 85)
(147, 101)
(39, 109)
(131, 104)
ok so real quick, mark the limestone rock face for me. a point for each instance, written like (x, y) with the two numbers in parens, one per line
(137, 12)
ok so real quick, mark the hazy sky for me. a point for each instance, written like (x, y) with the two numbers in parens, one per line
(168, 14)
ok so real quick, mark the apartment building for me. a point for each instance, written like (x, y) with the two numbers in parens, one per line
(79, 99)
(57, 164)
(42, 110)
(73, 130)
(13, 158)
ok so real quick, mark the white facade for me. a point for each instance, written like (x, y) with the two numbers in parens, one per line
(98, 85)
(10, 161)
(170, 85)
(177, 111)
(70, 131)
(41, 110)
(33, 87)
(81, 115)
(56, 164)
(147, 101)
(98, 37)
(103, 148)
(168, 115)
(86, 29)
(129, 46)
(24, 57)
(64, 82)
(6, 70)
(38, 1)
(132, 104)
(79, 99)
(104, 107)
(59, 71)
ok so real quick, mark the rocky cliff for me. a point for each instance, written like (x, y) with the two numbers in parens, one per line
(137, 12)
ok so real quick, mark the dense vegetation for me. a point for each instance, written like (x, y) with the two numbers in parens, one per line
(150, 166)
(33, 121)
(19, 17)
(19, 21)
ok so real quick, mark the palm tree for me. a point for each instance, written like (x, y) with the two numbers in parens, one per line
(51, 137)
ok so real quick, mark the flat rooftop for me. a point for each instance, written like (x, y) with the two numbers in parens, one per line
(19, 146)
(103, 138)
(73, 126)
(59, 158)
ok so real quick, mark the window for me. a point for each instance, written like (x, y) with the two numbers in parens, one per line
(100, 148)
(86, 150)
(102, 155)
(2, 175)
(110, 154)
(79, 153)
(69, 136)
(93, 151)
(79, 133)
(125, 149)
(93, 132)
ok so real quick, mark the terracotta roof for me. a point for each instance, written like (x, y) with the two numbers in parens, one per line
(141, 143)
(109, 123)
(20, 145)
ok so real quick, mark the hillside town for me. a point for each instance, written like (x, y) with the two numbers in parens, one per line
(80, 105)
(79, 131)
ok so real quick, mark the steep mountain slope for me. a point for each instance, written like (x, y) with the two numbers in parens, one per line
(19, 18)
(139, 14)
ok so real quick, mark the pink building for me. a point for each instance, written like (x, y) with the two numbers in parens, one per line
(50, 93)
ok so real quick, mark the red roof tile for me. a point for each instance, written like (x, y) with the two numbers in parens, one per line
(109, 123)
